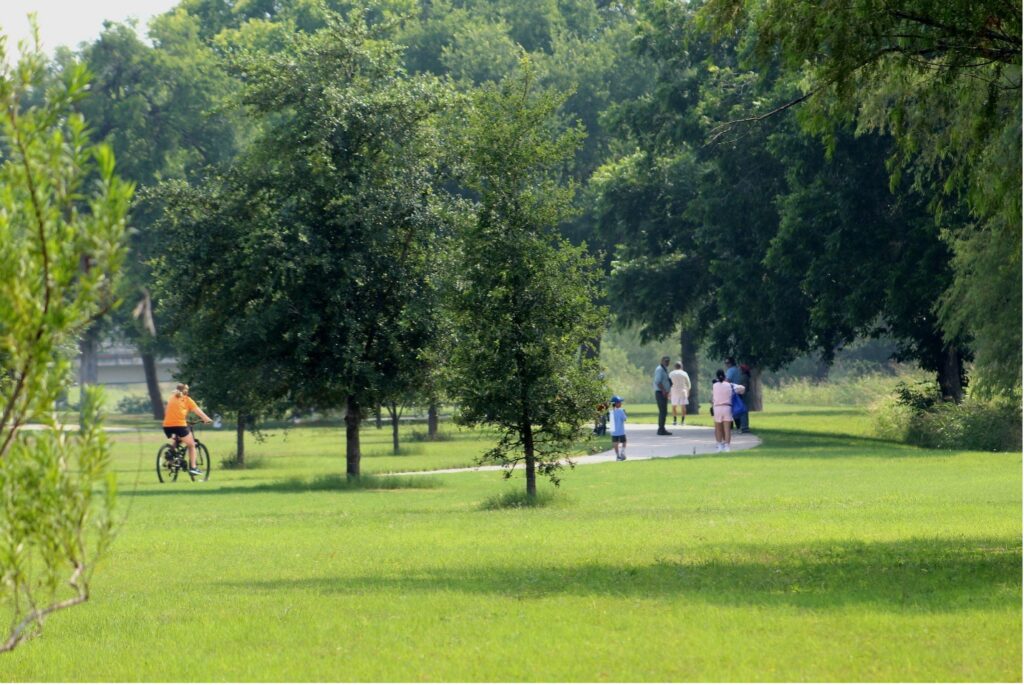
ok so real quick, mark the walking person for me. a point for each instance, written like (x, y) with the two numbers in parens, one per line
(743, 420)
(618, 428)
(662, 387)
(176, 422)
(721, 408)
(680, 392)
(732, 372)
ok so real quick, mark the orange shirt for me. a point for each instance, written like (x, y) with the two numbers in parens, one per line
(177, 411)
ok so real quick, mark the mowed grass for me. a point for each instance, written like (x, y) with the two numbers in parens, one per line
(823, 555)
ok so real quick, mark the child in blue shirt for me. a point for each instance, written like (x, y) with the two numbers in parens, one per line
(618, 428)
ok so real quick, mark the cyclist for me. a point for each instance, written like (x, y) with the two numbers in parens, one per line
(176, 423)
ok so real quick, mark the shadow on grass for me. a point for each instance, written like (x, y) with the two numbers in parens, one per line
(332, 483)
(912, 576)
(782, 443)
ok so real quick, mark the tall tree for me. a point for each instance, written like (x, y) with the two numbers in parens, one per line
(160, 107)
(524, 298)
(944, 78)
(791, 250)
(62, 209)
(336, 193)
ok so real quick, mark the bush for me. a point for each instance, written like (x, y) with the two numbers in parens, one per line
(917, 415)
(518, 499)
(231, 463)
(424, 436)
(623, 377)
(134, 404)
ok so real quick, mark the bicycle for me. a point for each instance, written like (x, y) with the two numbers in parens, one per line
(173, 459)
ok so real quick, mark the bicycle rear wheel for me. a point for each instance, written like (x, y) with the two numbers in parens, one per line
(202, 461)
(166, 464)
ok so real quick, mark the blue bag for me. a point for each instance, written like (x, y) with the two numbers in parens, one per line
(738, 407)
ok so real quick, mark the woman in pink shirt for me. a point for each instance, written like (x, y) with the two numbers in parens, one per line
(721, 401)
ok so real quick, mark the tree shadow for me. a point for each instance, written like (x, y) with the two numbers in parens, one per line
(798, 444)
(331, 483)
(915, 576)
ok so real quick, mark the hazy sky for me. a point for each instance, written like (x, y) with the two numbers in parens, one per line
(69, 22)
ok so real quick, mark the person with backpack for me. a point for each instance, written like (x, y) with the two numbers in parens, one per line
(722, 392)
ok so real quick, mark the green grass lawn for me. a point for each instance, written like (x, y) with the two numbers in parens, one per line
(823, 555)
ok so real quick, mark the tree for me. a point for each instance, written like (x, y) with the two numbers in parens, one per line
(772, 245)
(160, 109)
(316, 240)
(523, 302)
(62, 230)
(944, 79)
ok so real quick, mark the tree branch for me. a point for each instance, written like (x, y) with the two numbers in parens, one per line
(17, 634)
(724, 128)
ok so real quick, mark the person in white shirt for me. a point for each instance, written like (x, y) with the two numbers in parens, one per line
(680, 393)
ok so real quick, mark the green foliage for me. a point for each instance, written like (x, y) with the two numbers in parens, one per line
(917, 415)
(523, 305)
(232, 463)
(424, 436)
(133, 404)
(310, 256)
(851, 391)
(62, 226)
(517, 499)
(944, 79)
(624, 378)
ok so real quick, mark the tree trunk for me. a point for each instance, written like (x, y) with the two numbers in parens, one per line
(352, 453)
(951, 374)
(378, 417)
(156, 401)
(754, 397)
(821, 370)
(531, 465)
(88, 369)
(688, 354)
(393, 410)
(240, 441)
(432, 421)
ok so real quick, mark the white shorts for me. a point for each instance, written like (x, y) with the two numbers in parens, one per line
(723, 413)
(679, 398)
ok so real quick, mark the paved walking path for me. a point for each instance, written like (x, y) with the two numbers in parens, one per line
(643, 442)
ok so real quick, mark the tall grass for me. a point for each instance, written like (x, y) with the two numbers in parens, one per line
(849, 391)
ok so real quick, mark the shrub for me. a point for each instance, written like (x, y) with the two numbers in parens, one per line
(918, 416)
(134, 404)
(517, 499)
(424, 436)
(231, 463)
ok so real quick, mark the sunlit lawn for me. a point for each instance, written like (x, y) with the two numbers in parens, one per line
(821, 555)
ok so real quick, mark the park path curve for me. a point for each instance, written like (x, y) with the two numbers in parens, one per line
(643, 442)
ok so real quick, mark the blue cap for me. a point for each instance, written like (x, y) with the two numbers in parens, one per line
(616, 399)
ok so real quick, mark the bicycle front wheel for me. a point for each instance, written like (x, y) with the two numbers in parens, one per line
(202, 461)
(166, 470)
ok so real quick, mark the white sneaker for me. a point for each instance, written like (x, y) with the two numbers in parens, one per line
(725, 447)
(718, 447)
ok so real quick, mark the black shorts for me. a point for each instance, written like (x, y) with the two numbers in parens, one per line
(618, 438)
(180, 431)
